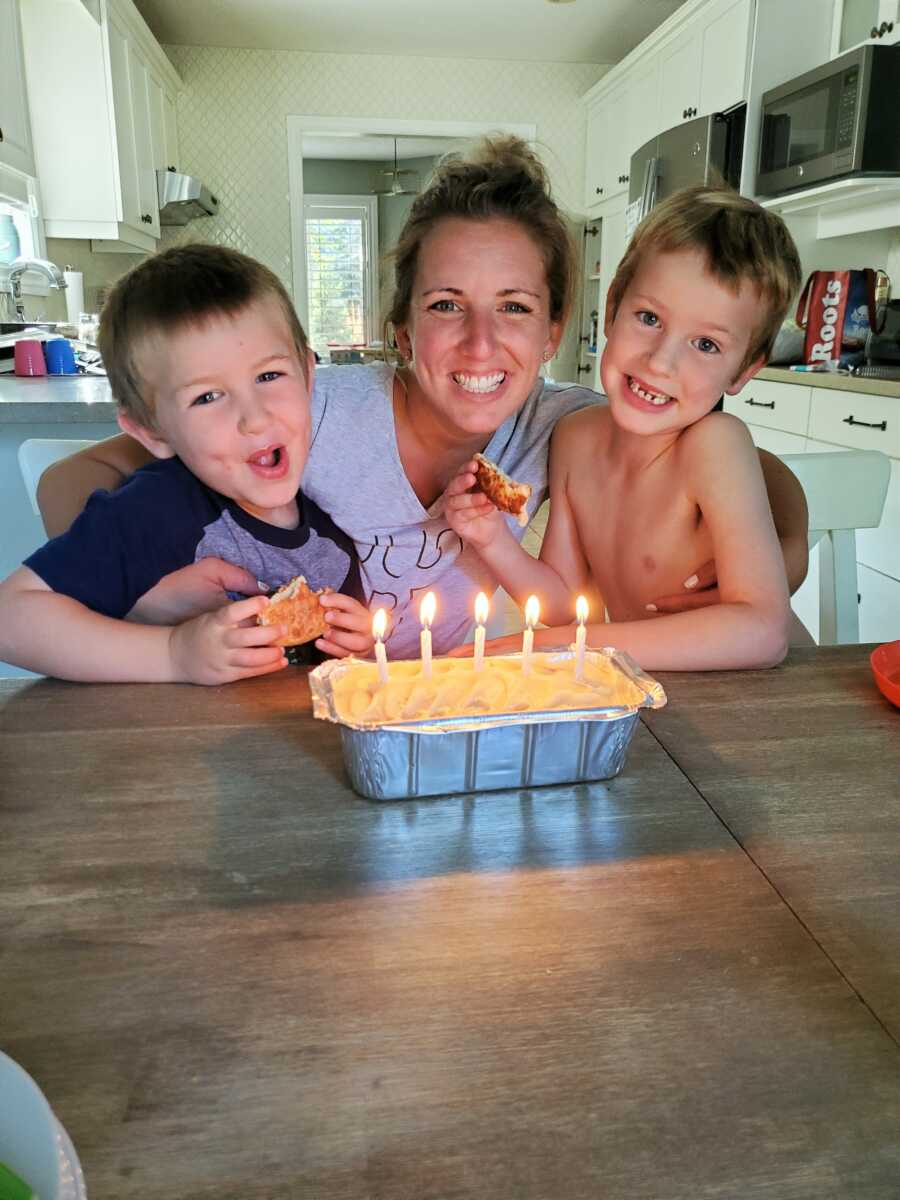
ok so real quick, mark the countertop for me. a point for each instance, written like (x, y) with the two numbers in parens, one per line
(87, 397)
(231, 976)
(55, 399)
(824, 379)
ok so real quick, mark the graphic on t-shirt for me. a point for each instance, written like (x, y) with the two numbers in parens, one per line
(386, 600)
(323, 561)
(426, 566)
(387, 549)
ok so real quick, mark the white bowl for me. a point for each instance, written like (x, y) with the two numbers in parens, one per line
(32, 1141)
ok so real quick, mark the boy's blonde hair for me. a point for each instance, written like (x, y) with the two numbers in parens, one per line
(174, 289)
(739, 240)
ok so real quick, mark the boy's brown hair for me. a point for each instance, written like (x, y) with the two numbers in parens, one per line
(739, 240)
(183, 286)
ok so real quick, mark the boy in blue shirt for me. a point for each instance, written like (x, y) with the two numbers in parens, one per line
(211, 371)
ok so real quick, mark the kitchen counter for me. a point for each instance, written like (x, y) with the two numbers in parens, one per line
(53, 399)
(824, 379)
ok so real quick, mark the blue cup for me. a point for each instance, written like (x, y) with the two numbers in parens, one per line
(60, 357)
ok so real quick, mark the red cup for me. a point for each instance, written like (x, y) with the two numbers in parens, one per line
(29, 357)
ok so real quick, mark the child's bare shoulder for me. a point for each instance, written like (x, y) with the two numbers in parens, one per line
(717, 433)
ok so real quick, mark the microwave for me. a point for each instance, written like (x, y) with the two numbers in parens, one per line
(840, 119)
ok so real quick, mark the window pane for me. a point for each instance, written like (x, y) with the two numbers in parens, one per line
(335, 265)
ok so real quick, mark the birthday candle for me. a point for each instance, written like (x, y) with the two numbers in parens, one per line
(426, 616)
(481, 616)
(581, 612)
(379, 625)
(532, 615)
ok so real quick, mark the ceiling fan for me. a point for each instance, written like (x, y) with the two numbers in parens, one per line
(395, 174)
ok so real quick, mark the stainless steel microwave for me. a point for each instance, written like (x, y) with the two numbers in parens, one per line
(840, 119)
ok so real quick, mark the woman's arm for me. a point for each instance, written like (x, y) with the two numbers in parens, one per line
(65, 486)
(787, 502)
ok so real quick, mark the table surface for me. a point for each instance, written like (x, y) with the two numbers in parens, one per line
(232, 977)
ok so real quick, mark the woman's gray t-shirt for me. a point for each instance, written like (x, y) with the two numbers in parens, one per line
(354, 474)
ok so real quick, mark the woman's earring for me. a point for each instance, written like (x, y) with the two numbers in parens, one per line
(547, 355)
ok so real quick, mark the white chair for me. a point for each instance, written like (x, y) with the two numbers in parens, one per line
(36, 455)
(845, 491)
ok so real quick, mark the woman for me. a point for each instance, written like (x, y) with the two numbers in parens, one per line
(485, 274)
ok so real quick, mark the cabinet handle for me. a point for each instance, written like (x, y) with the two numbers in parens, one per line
(580, 370)
(884, 28)
(873, 32)
(1, 134)
(760, 403)
(882, 425)
(599, 191)
(146, 218)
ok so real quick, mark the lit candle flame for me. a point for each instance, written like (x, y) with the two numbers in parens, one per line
(532, 611)
(427, 610)
(581, 609)
(379, 625)
(481, 608)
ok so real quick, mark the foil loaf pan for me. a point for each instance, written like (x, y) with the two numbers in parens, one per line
(484, 753)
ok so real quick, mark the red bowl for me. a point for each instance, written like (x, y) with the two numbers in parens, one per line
(885, 662)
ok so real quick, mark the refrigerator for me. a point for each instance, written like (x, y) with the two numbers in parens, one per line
(705, 150)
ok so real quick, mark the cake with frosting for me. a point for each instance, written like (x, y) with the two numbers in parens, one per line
(456, 689)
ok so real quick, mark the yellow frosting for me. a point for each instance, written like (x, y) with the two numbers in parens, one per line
(457, 690)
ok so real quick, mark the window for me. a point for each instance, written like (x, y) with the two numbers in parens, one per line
(340, 234)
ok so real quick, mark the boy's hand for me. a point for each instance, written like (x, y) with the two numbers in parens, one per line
(225, 645)
(349, 626)
(469, 513)
(195, 589)
(700, 590)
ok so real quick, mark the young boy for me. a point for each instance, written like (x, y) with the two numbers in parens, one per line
(211, 372)
(655, 482)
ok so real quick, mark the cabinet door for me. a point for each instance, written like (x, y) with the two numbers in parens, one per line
(139, 77)
(880, 548)
(129, 184)
(15, 133)
(595, 155)
(775, 405)
(859, 21)
(679, 80)
(612, 247)
(617, 132)
(879, 606)
(723, 75)
(643, 105)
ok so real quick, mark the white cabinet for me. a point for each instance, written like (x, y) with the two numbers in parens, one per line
(606, 148)
(679, 80)
(782, 406)
(859, 21)
(726, 52)
(97, 167)
(15, 134)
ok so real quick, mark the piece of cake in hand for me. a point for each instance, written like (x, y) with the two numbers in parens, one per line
(504, 493)
(297, 607)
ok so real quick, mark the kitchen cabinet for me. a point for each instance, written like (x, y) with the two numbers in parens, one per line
(97, 169)
(788, 418)
(856, 22)
(606, 147)
(679, 80)
(726, 44)
(15, 134)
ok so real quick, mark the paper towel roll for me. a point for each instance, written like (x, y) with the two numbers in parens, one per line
(74, 295)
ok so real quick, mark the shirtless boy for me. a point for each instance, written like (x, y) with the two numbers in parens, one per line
(656, 481)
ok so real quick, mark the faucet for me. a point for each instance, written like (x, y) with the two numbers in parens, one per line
(17, 269)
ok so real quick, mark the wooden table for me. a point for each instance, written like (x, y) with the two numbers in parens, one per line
(232, 977)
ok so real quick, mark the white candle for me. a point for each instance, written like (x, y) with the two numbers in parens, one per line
(532, 615)
(379, 625)
(426, 616)
(581, 612)
(481, 616)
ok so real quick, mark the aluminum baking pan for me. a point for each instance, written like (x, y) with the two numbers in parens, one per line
(484, 753)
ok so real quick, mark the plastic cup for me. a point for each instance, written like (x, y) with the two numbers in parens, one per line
(60, 357)
(28, 357)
